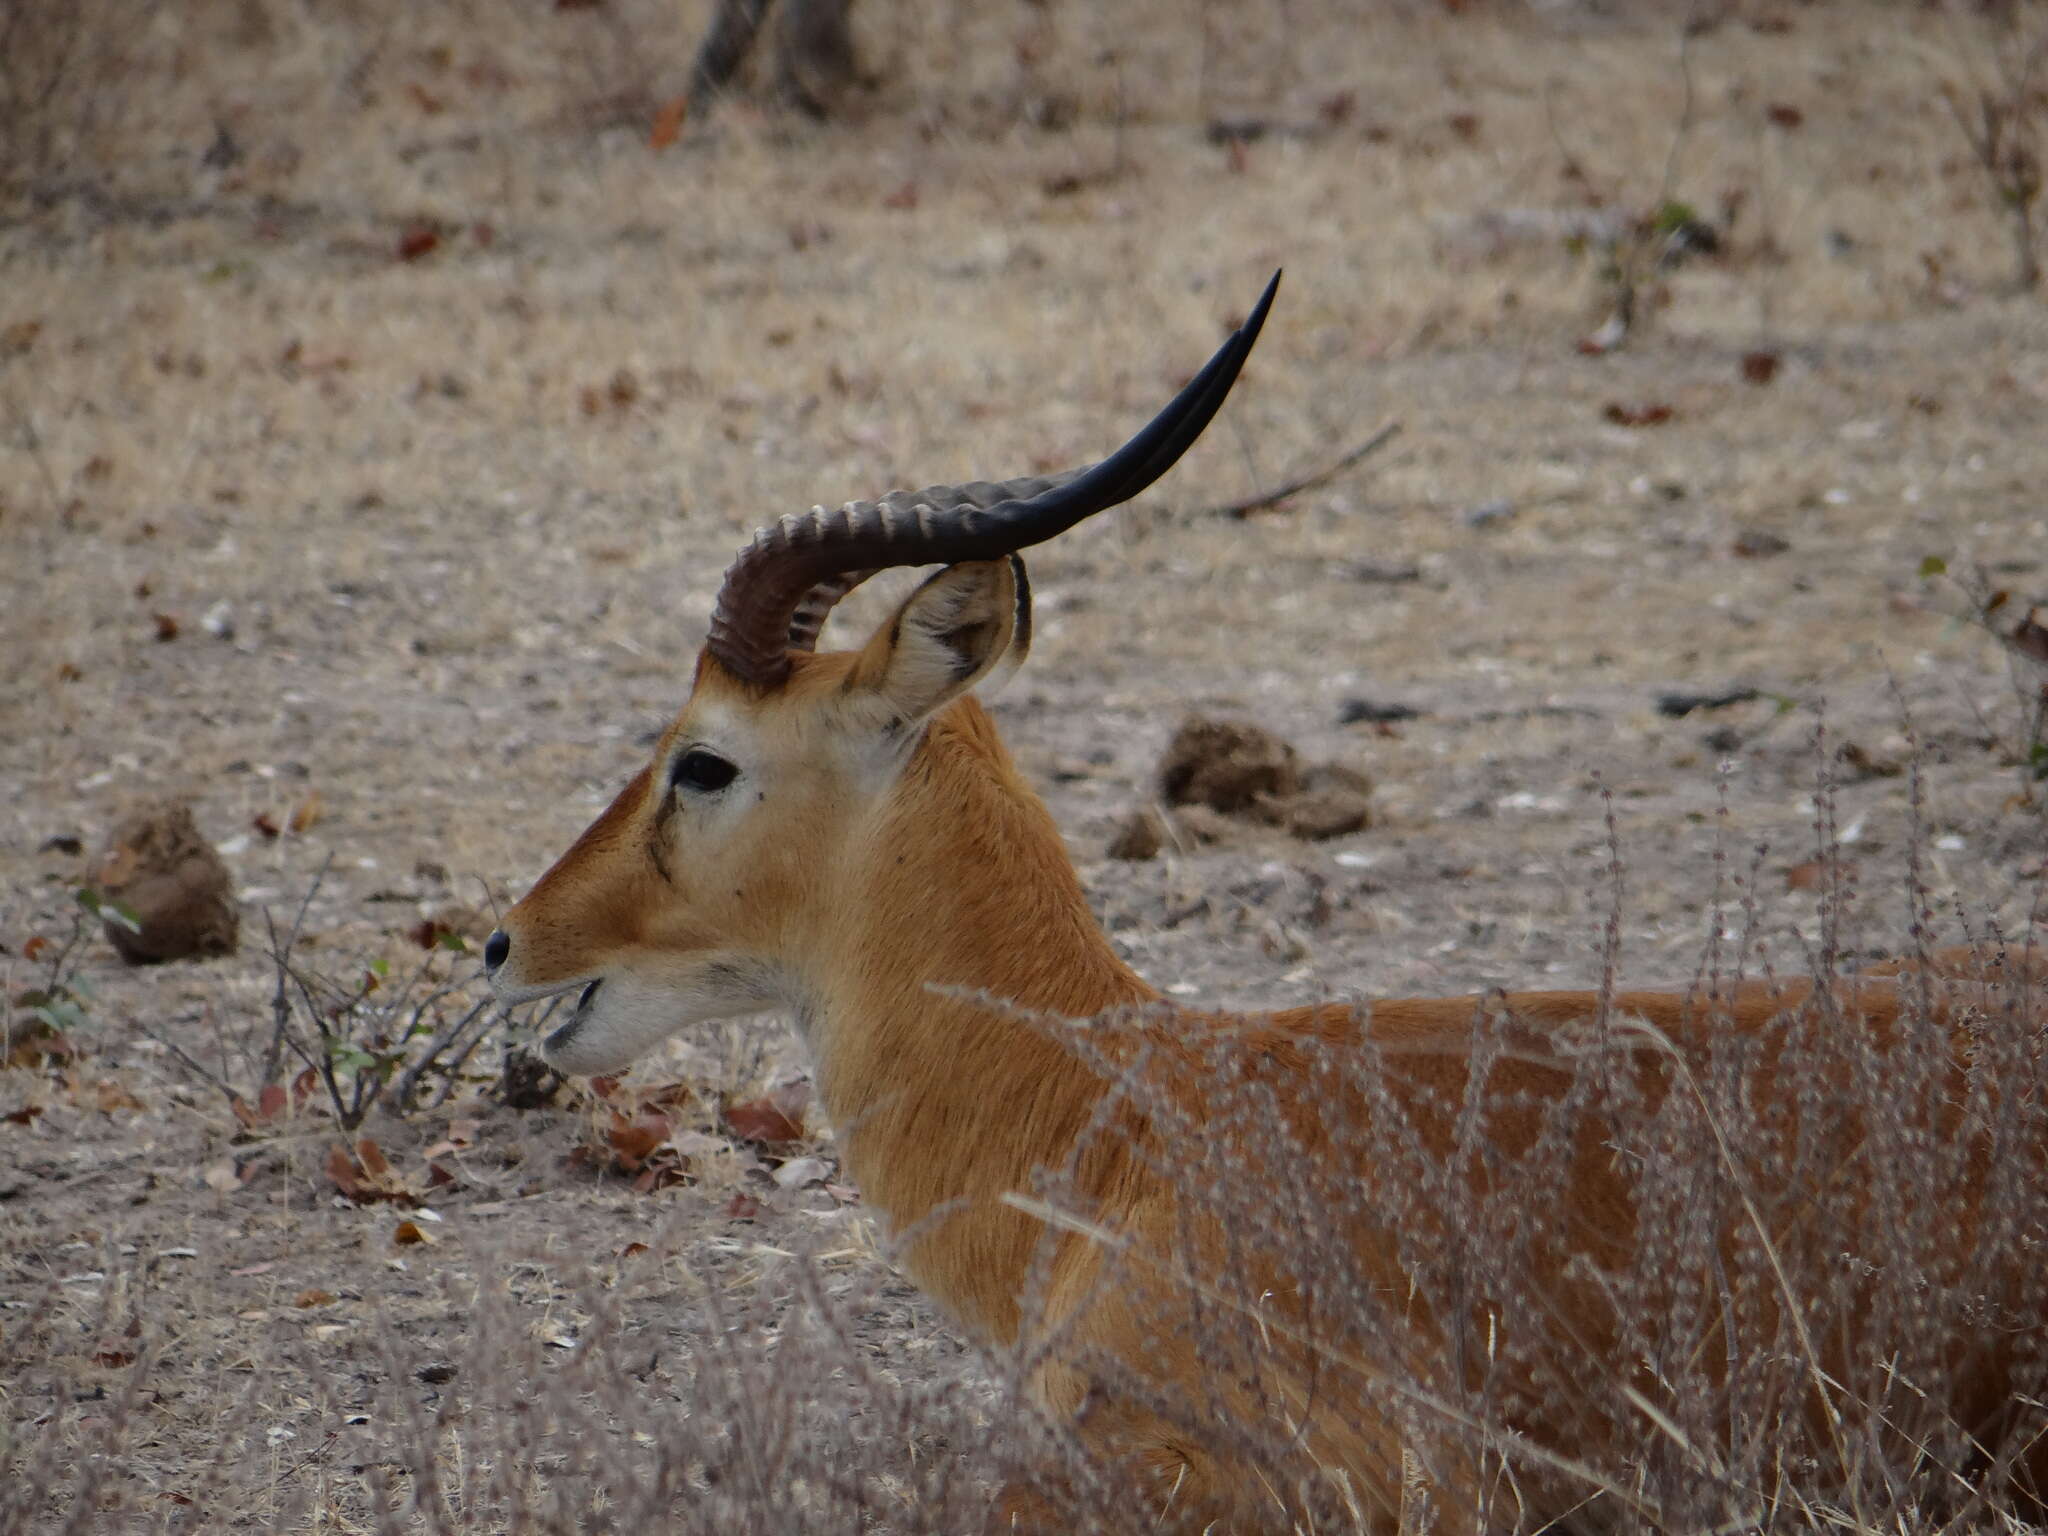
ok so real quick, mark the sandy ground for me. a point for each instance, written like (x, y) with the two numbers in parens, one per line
(457, 521)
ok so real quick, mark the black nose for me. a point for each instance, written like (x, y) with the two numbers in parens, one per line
(496, 948)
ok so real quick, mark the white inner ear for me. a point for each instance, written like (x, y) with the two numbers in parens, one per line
(949, 636)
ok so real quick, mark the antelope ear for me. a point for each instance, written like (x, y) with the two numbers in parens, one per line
(950, 634)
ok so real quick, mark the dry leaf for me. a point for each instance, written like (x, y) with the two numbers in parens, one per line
(306, 813)
(801, 1172)
(38, 1044)
(763, 1122)
(222, 1177)
(1654, 415)
(634, 1141)
(668, 123)
(416, 241)
(105, 1095)
(365, 1175)
(411, 1233)
(2031, 639)
(314, 1298)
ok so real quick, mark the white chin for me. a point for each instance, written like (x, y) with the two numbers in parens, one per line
(607, 1032)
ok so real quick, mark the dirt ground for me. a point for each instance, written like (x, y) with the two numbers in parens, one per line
(392, 455)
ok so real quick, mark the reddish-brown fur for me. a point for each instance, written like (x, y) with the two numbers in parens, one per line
(928, 929)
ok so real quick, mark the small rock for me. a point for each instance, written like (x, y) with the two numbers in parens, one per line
(1141, 835)
(1677, 706)
(1383, 573)
(1864, 765)
(527, 1082)
(1203, 827)
(158, 867)
(1723, 739)
(1487, 513)
(1758, 544)
(1226, 766)
(802, 1172)
(1334, 800)
(1369, 712)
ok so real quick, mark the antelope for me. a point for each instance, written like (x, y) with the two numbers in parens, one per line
(842, 835)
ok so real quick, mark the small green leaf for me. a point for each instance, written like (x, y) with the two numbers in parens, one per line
(1932, 567)
(455, 942)
(380, 967)
(1674, 216)
(349, 1058)
(107, 911)
(60, 1013)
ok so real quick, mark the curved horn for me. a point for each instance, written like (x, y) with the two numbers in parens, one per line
(818, 603)
(782, 584)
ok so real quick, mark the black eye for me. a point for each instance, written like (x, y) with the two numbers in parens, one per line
(702, 771)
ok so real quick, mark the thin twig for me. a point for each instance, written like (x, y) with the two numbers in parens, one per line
(409, 1079)
(280, 1002)
(1309, 482)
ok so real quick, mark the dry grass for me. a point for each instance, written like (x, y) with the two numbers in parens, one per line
(466, 512)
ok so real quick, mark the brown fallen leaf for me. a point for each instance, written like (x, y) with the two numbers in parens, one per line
(1814, 873)
(668, 123)
(38, 1044)
(742, 1206)
(410, 1234)
(2031, 639)
(635, 1140)
(314, 1298)
(763, 1122)
(1653, 415)
(365, 1176)
(306, 813)
(1759, 367)
(417, 241)
(102, 1094)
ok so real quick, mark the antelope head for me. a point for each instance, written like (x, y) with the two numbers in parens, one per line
(726, 876)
